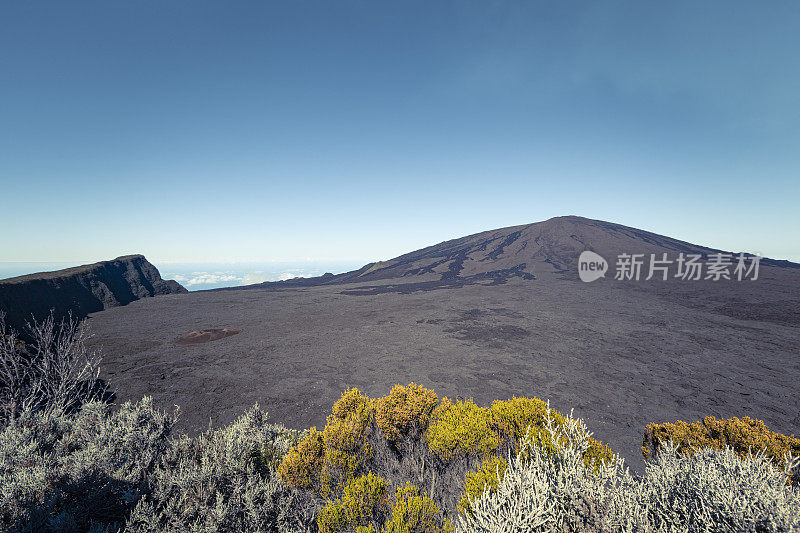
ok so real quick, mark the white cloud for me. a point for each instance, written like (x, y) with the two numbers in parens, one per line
(256, 276)
(208, 278)
(231, 277)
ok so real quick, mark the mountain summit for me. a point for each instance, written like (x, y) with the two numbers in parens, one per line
(551, 247)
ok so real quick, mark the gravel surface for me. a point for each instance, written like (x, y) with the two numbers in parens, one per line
(621, 354)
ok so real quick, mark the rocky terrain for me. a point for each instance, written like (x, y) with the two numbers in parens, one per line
(81, 290)
(488, 316)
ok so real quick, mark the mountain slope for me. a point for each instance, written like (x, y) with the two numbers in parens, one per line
(81, 290)
(527, 251)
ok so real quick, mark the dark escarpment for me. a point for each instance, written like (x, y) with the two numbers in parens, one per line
(81, 290)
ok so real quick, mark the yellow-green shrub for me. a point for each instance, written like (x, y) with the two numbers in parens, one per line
(403, 409)
(461, 429)
(740, 434)
(413, 513)
(489, 475)
(520, 417)
(302, 463)
(363, 500)
(352, 402)
(326, 459)
(330, 459)
(331, 518)
(346, 450)
(512, 417)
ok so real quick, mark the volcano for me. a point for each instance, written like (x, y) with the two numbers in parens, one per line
(541, 248)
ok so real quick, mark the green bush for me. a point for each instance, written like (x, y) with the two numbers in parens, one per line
(325, 461)
(414, 513)
(364, 503)
(404, 409)
(528, 417)
(487, 477)
(462, 429)
(301, 465)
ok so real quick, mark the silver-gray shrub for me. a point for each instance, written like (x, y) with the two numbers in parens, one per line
(225, 480)
(105, 470)
(54, 372)
(77, 471)
(719, 491)
(552, 489)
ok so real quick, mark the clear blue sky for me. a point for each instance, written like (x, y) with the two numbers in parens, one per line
(293, 130)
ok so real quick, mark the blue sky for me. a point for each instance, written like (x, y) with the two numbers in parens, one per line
(356, 130)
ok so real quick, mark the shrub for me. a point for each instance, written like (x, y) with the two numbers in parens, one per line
(717, 490)
(413, 513)
(511, 421)
(82, 469)
(487, 477)
(462, 429)
(388, 437)
(301, 465)
(101, 470)
(528, 417)
(513, 417)
(555, 490)
(325, 461)
(363, 504)
(352, 404)
(549, 487)
(223, 480)
(54, 373)
(742, 435)
(345, 438)
(404, 409)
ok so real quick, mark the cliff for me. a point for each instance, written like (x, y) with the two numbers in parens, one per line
(81, 290)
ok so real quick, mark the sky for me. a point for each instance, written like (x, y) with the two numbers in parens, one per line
(196, 131)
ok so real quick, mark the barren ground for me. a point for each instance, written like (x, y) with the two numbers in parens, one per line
(620, 354)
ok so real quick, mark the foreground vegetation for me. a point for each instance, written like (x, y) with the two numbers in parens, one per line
(406, 462)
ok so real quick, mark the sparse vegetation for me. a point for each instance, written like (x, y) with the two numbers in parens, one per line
(743, 436)
(405, 463)
(53, 373)
(555, 490)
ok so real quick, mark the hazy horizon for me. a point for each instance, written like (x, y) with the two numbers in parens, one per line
(204, 276)
(250, 131)
(21, 268)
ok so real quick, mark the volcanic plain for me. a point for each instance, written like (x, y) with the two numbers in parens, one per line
(488, 316)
